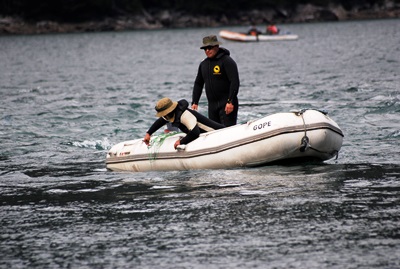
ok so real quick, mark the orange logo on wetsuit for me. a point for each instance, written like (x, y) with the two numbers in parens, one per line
(217, 70)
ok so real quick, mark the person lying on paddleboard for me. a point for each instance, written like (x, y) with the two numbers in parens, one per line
(179, 115)
(253, 30)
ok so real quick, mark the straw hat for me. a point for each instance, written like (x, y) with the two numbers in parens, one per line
(210, 40)
(165, 106)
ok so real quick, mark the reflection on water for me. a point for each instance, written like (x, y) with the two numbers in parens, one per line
(236, 218)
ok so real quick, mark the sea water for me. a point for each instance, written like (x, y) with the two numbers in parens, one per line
(67, 98)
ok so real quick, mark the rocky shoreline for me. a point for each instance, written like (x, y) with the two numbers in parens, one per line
(169, 19)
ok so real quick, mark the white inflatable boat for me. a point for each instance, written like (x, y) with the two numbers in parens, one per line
(242, 37)
(298, 136)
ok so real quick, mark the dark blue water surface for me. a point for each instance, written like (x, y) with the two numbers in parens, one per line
(66, 99)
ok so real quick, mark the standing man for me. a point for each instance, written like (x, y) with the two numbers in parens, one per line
(219, 73)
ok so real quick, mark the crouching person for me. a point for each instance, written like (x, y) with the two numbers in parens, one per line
(179, 115)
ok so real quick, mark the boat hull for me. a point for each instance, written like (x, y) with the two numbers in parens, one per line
(235, 36)
(273, 138)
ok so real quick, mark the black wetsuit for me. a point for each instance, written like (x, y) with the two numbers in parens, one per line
(221, 78)
(203, 124)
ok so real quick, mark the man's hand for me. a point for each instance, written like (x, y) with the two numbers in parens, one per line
(195, 107)
(177, 143)
(146, 139)
(228, 108)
